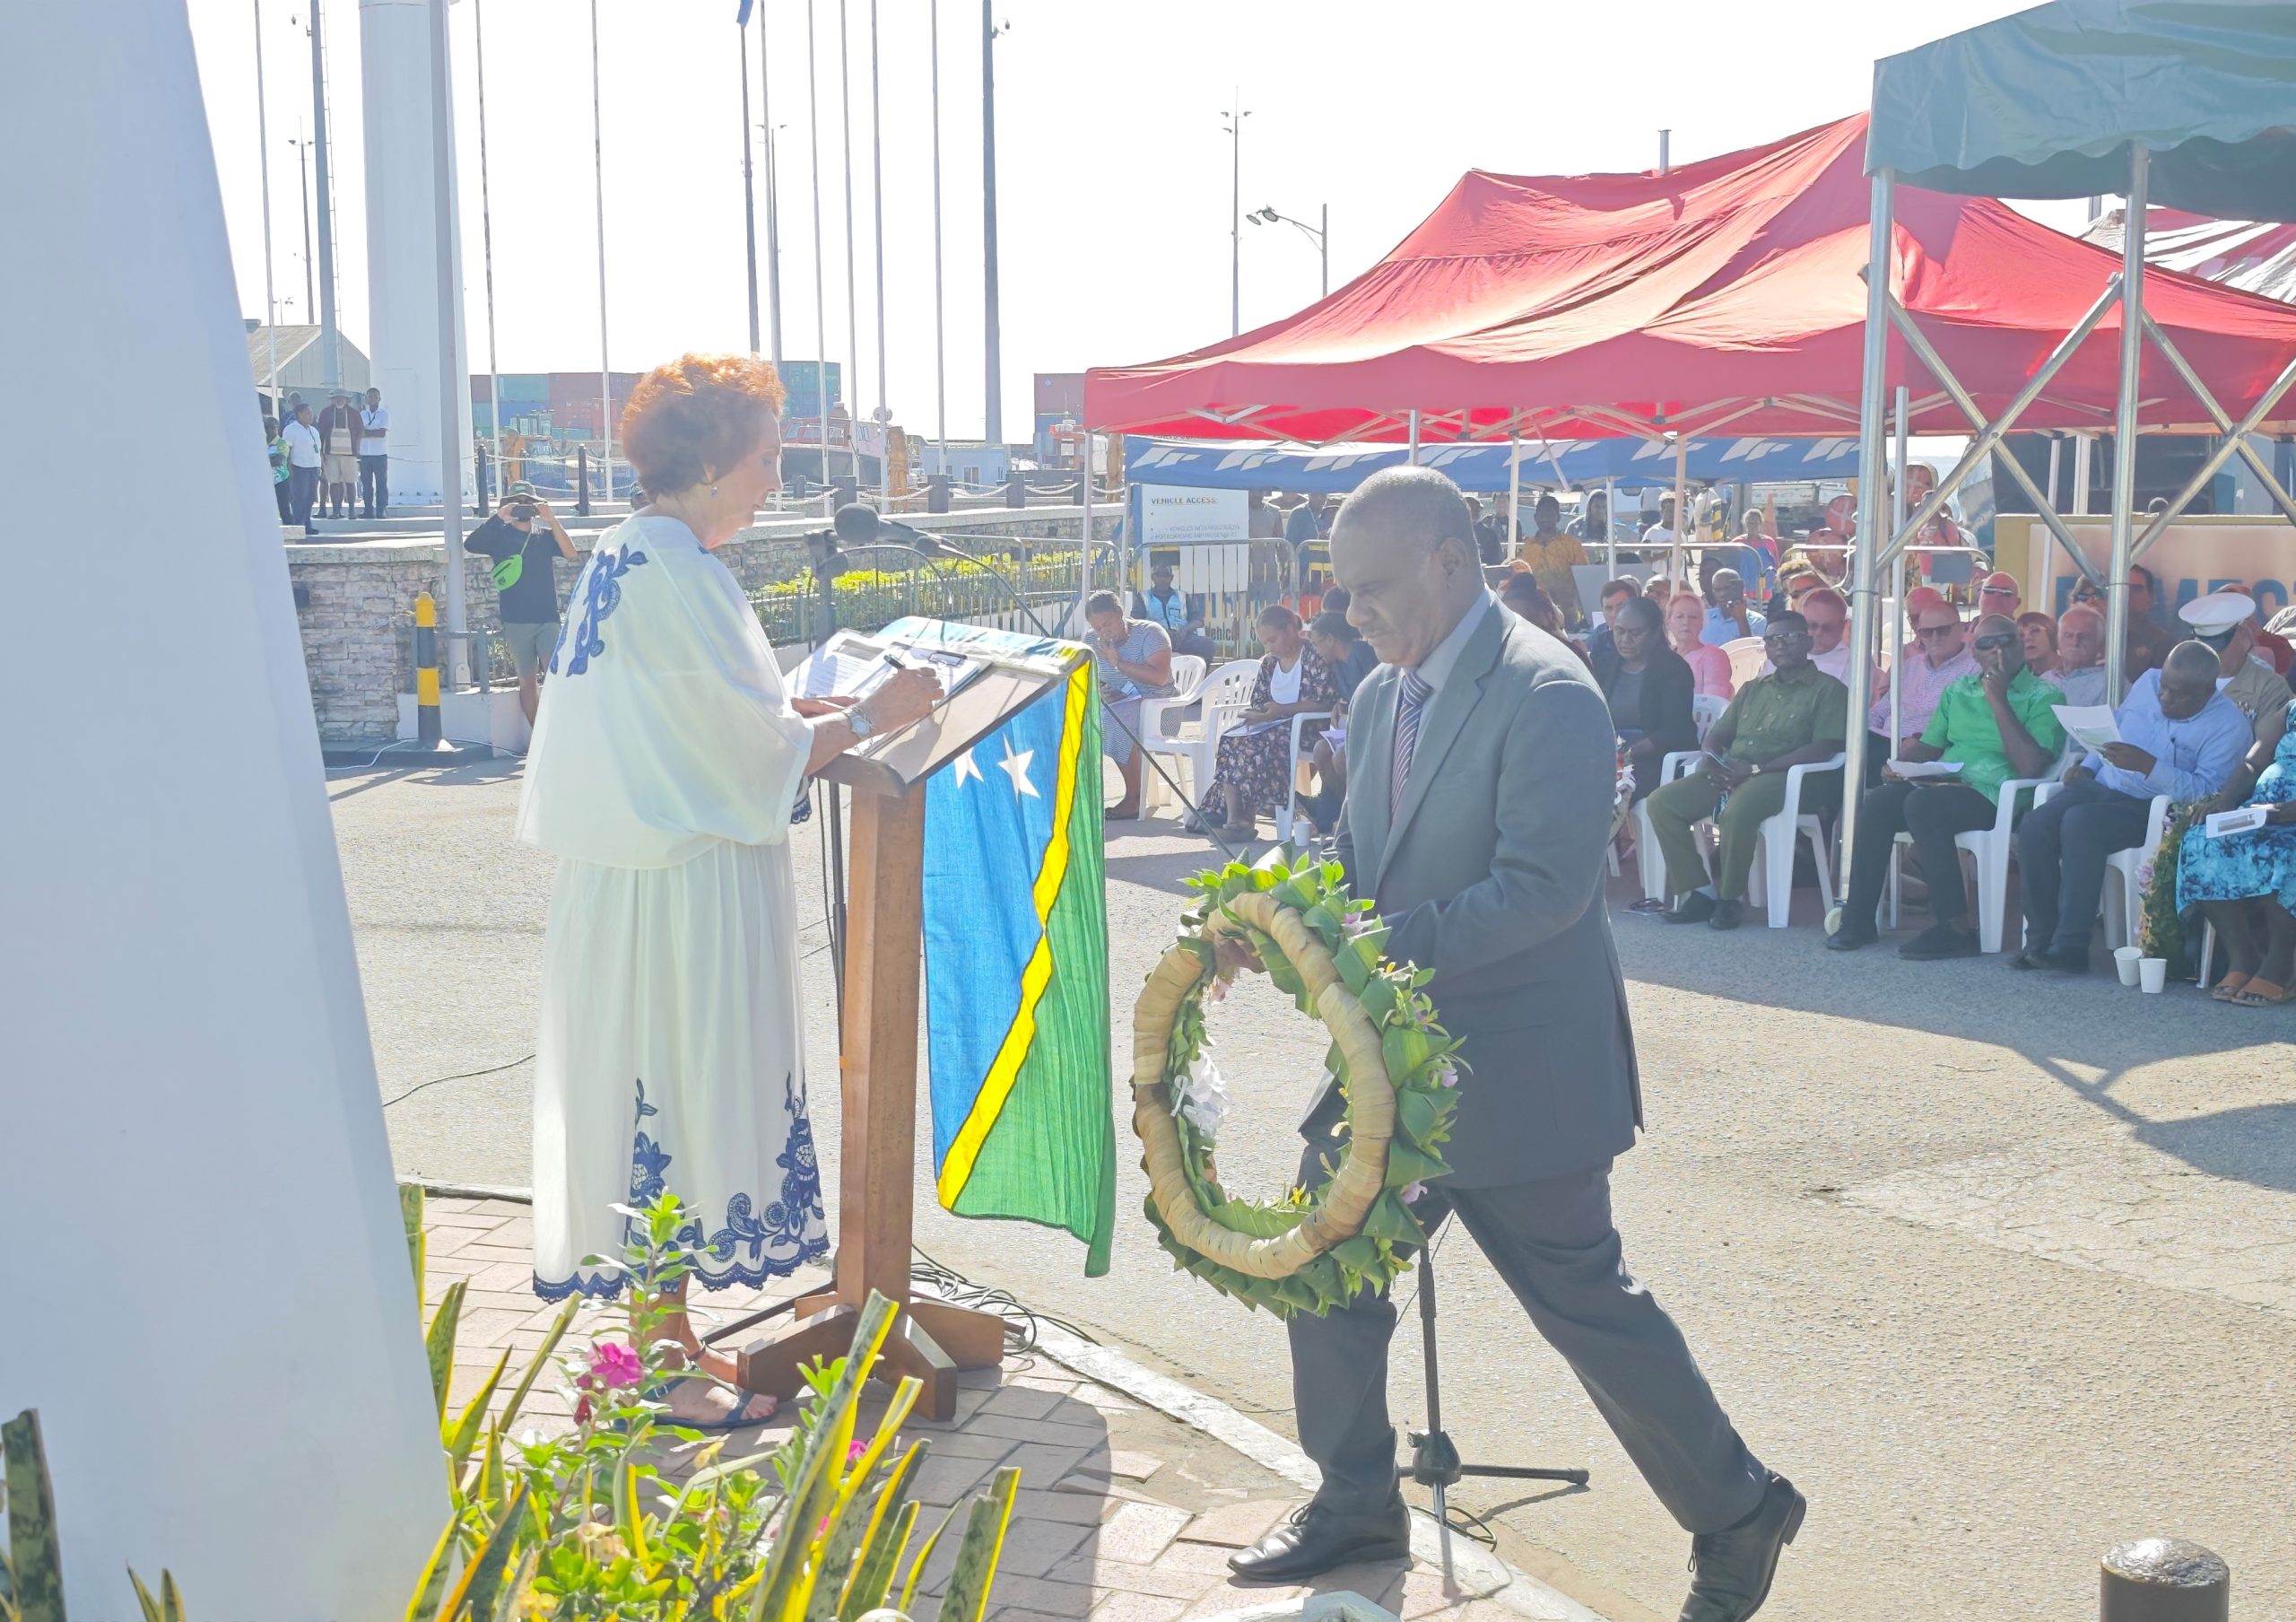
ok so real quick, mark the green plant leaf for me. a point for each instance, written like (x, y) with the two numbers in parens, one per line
(35, 1559)
(887, 1535)
(462, 1435)
(538, 1362)
(1391, 1220)
(1407, 1165)
(438, 1342)
(966, 1599)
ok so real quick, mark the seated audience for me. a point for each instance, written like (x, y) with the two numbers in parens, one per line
(1937, 658)
(1649, 689)
(1729, 616)
(1343, 649)
(2245, 883)
(2080, 671)
(1615, 592)
(2178, 737)
(2149, 638)
(2040, 633)
(1254, 773)
(1549, 552)
(1181, 615)
(1794, 715)
(1521, 593)
(1995, 724)
(2226, 622)
(1135, 661)
(1997, 594)
(1709, 667)
(1827, 615)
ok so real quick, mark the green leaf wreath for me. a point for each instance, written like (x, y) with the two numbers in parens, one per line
(1313, 1248)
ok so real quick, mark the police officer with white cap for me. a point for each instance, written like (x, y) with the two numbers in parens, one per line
(2226, 622)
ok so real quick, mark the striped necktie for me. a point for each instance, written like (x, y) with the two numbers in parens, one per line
(1416, 691)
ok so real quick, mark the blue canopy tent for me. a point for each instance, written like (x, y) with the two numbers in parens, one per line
(1579, 463)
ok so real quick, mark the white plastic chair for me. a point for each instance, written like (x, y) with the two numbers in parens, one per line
(2124, 903)
(1747, 657)
(1705, 710)
(1771, 878)
(1990, 850)
(1224, 695)
(1188, 679)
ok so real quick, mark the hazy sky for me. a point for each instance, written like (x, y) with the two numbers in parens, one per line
(1114, 202)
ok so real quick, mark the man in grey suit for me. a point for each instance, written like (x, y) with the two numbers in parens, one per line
(1481, 771)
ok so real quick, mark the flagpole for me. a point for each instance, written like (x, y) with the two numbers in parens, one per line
(820, 310)
(772, 196)
(940, 338)
(749, 184)
(486, 237)
(852, 304)
(877, 202)
(263, 141)
(598, 182)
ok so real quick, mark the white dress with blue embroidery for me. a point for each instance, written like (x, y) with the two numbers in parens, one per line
(664, 763)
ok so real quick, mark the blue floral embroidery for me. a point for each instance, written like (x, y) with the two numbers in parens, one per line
(780, 1239)
(601, 596)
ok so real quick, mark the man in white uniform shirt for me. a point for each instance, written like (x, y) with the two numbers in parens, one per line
(374, 454)
(303, 441)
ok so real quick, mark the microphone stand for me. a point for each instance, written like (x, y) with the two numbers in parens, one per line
(1434, 1462)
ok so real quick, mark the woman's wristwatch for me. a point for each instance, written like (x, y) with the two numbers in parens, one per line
(858, 720)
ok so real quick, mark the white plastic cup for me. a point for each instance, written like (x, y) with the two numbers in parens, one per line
(2124, 960)
(2152, 973)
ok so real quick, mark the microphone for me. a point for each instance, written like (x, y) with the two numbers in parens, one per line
(858, 524)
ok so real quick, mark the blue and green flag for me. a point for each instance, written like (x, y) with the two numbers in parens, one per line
(1016, 963)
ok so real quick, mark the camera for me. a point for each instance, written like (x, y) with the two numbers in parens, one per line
(520, 511)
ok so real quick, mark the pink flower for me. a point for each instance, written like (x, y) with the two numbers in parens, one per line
(582, 1409)
(1448, 1075)
(853, 1454)
(613, 1364)
(1412, 1191)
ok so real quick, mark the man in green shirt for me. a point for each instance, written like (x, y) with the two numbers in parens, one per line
(1995, 725)
(1796, 715)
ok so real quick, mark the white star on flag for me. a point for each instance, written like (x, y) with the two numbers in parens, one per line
(1016, 767)
(965, 766)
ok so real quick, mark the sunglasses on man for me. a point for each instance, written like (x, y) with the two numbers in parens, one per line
(1998, 641)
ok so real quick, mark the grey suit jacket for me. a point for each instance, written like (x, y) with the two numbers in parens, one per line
(1491, 874)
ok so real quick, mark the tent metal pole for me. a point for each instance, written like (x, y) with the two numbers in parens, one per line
(2056, 460)
(1993, 432)
(1682, 506)
(2132, 355)
(1610, 521)
(1896, 643)
(2044, 506)
(2083, 447)
(1412, 459)
(1870, 477)
(2226, 446)
(1514, 490)
(2238, 434)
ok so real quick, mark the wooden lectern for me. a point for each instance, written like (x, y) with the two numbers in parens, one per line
(884, 945)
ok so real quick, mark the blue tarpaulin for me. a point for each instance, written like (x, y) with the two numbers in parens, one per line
(1577, 463)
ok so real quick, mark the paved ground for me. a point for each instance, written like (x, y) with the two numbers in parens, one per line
(1999, 1272)
(1124, 1514)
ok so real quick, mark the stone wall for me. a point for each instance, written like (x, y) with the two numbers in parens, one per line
(356, 602)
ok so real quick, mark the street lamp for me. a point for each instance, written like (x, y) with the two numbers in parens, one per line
(1321, 233)
(1234, 128)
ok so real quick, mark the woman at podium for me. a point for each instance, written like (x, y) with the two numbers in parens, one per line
(667, 758)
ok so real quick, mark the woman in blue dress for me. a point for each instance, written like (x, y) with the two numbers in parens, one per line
(2245, 883)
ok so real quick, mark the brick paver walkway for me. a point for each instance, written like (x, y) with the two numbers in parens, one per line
(1125, 1514)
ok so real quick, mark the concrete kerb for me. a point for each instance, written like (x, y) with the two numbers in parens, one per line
(1480, 1573)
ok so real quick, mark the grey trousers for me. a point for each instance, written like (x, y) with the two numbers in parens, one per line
(1554, 1243)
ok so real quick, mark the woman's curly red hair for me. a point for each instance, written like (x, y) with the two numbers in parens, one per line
(695, 413)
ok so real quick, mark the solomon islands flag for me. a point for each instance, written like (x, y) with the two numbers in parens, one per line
(1016, 961)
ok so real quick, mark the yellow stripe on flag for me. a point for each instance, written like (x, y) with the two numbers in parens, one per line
(956, 1168)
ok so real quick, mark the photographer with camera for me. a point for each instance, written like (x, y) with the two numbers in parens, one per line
(525, 539)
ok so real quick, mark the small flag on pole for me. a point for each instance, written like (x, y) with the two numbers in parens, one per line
(742, 17)
(1016, 966)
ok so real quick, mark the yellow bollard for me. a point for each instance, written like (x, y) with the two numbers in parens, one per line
(427, 728)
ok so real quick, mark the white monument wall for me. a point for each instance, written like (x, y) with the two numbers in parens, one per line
(206, 1294)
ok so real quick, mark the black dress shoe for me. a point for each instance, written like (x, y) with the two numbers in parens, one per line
(1939, 941)
(1850, 937)
(1695, 908)
(1314, 1539)
(1731, 1570)
(1727, 915)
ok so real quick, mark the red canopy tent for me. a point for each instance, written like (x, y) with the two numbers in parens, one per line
(1728, 292)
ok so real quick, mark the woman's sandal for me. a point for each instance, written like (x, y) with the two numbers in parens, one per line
(735, 1418)
(2230, 986)
(2261, 994)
